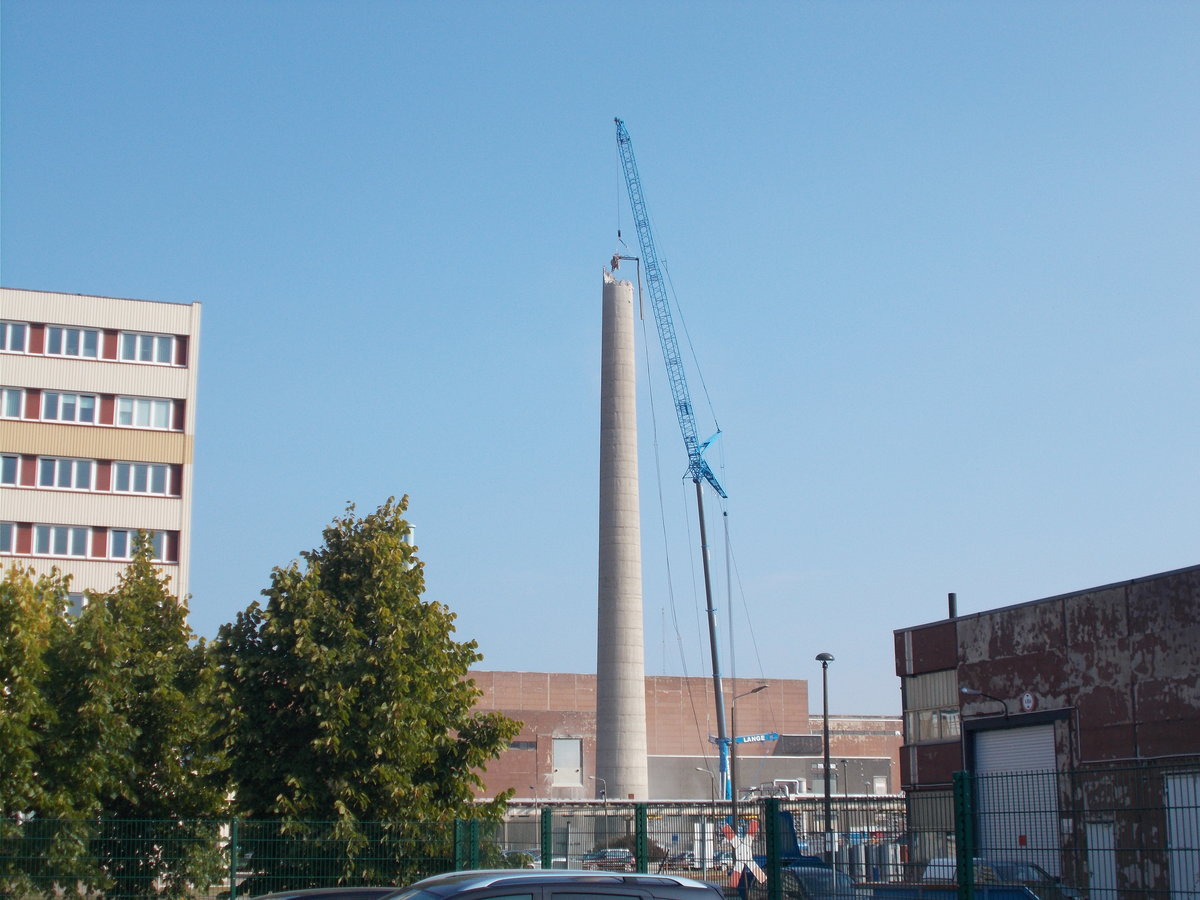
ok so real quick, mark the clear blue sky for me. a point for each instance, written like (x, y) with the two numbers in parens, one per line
(939, 263)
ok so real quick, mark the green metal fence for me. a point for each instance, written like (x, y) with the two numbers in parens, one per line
(1104, 834)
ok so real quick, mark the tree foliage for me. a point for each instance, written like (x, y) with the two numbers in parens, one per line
(350, 697)
(117, 714)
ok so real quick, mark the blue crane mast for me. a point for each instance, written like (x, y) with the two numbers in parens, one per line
(698, 469)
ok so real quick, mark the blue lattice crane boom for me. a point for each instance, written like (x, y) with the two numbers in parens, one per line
(698, 469)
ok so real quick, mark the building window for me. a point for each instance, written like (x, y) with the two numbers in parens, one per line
(121, 540)
(12, 336)
(568, 762)
(141, 478)
(144, 412)
(8, 537)
(931, 710)
(62, 341)
(60, 540)
(60, 407)
(10, 464)
(65, 473)
(150, 348)
(12, 402)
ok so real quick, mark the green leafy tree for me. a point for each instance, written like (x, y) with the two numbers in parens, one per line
(352, 706)
(31, 615)
(31, 609)
(134, 744)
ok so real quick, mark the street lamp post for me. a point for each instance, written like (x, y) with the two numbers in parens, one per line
(604, 801)
(825, 659)
(733, 735)
(707, 843)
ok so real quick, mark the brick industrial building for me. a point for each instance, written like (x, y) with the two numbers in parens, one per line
(554, 756)
(97, 423)
(1102, 683)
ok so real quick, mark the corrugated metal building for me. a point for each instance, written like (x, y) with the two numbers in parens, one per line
(97, 428)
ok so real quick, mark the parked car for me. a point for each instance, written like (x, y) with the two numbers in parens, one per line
(334, 893)
(504, 883)
(613, 859)
(1034, 877)
(523, 859)
(1002, 871)
(944, 870)
(685, 860)
(820, 883)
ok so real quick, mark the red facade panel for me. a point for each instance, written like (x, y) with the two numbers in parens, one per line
(104, 475)
(37, 338)
(33, 403)
(108, 344)
(933, 647)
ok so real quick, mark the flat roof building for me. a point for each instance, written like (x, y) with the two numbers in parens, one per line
(97, 429)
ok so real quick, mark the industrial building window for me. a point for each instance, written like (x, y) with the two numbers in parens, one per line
(60, 540)
(59, 407)
(120, 544)
(568, 762)
(12, 336)
(8, 534)
(141, 478)
(62, 341)
(10, 463)
(931, 707)
(65, 473)
(12, 402)
(150, 348)
(144, 412)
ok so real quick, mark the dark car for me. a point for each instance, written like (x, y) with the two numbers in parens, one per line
(614, 859)
(557, 884)
(1034, 877)
(334, 893)
(820, 883)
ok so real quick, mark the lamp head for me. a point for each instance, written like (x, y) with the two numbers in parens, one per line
(824, 658)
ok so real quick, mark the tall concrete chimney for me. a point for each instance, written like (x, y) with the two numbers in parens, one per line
(620, 659)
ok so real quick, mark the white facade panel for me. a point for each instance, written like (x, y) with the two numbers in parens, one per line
(90, 508)
(95, 376)
(99, 312)
(93, 575)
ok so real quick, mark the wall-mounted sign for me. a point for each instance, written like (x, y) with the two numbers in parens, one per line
(1028, 702)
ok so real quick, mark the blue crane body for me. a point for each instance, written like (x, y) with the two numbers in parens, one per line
(698, 469)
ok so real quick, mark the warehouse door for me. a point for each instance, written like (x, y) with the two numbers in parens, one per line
(1017, 796)
(1183, 835)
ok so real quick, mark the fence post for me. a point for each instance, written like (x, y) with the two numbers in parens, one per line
(641, 837)
(459, 828)
(964, 834)
(233, 858)
(546, 838)
(771, 829)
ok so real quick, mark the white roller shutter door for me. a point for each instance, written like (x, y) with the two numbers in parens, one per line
(1017, 797)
